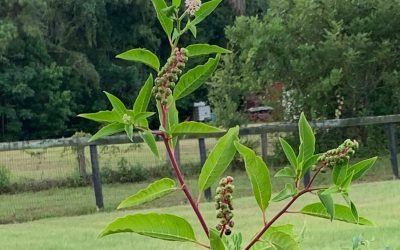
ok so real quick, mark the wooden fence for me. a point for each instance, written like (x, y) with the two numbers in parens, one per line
(263, 130)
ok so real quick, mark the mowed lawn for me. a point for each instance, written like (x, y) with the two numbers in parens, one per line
(379, 201)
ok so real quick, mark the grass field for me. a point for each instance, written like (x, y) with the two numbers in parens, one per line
(379, 201)
(76, 201)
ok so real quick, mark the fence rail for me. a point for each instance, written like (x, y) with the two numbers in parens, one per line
(389, 120)
(262, 129)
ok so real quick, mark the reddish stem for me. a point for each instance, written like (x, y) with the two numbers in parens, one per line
(276, 217)
(185, 189)
(284, 210)
(179, 174)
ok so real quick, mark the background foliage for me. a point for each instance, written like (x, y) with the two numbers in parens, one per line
(321, 51)
(55, 57)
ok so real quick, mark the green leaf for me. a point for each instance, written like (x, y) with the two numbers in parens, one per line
(176, 3)
(331, 190)
(149, 139)
(287, 228)
(339, 174)
(175, 34)
(361, 167)
(116, 103)
(219, 159)
(166, 22)
(281, 241)
(154, 191)
(205, 9)
(354, 211)
(307, 138)
(186, 128)
(129, 131)
(287, 192)
(193, 30)
(309, 163)
(141, 55)
(346, 183)
(352, 206)
(160, 226)
(143, 98)
(205, 49)
(110, 129)
(342, 213)
(216, 242)
(286, 172)
(173, 118)
(289, 152)
(258, 174)
(142, 115)
(194, 78)
(327, 201)
(103, 116)
(169, 11)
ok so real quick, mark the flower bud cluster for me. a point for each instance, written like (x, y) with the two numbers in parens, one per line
(223, 204)
(169, 74)
(192, 6)
(340, 155)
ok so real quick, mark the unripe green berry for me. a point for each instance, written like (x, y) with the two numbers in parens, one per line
(164, 102)
(180, 65)
(231, 223)
(230, 188)
(219, 227)
(220, 215)
(172, 85)
(184, 51)
(222, 182)
(168, 92)
(224, 221)
(158, 97)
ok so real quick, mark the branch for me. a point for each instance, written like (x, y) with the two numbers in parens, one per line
(284, 210)
(179, 175)
(275, 218)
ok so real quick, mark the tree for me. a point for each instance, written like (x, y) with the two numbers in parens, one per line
(322, 51)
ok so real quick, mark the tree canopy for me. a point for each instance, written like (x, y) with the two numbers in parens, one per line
(56, 57)
(335, 58)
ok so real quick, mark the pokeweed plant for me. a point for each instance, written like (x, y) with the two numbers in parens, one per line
(174, 81)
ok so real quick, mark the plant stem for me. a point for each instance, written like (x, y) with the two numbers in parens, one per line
(275, 218)
(284, 210)
(185, 189)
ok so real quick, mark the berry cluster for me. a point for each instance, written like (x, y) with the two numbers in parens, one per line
(169, 74)
(340, 155)
(223, 204)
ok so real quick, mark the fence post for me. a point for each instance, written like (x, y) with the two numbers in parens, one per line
(81, 161)
(98, 192)
(264, 146)
(203, 157)
(393, 150)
